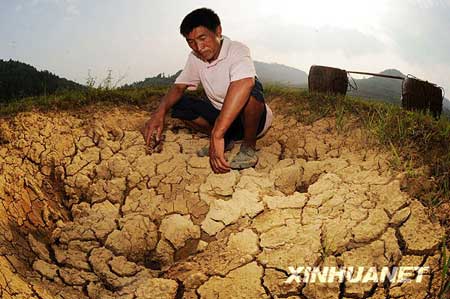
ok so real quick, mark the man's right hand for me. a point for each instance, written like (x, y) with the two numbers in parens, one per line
(154, 125)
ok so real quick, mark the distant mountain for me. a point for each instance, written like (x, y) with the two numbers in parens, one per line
(18, 80)
(446, 107)
(379, 88)
(386, 89)
(267, 73)
(158, 80)
(281, 74)
(446, 103)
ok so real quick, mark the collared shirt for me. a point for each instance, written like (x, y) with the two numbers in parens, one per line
(233, 63)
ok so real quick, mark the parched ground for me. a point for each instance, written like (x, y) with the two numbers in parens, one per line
(87, 212)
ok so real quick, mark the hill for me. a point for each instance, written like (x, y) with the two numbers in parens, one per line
(386, 89)
(281, 74)
(267, 72)
(446, 106)
(378, 88)
(158, 80)
(18, 80)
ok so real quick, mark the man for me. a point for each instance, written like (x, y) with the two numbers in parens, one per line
(235, 109)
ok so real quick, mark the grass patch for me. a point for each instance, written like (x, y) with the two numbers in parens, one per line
(77, 99)
(445, 274)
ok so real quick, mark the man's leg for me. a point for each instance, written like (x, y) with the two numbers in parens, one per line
(251, 118)
(199, 115)
(199, 124)
(252, 121)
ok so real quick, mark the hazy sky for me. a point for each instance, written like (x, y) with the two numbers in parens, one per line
(138, 39)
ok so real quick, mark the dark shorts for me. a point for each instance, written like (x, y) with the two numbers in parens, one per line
(190, 108)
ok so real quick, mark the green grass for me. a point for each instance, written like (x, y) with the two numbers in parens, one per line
(445, 274)
(77, 99)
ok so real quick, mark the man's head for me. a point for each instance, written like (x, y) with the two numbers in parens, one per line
(203, 33)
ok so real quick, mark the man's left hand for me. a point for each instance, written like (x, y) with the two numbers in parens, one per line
(216, 155)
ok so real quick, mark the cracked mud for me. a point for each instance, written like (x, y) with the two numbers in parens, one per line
(86, 212)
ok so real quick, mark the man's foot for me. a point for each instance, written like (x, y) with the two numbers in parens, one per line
(204, 151)
(246, 158)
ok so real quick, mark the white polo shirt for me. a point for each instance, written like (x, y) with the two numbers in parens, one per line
(233, 63)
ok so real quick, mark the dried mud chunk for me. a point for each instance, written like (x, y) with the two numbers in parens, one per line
(165, 253)
(144, 202)
(419, 233)
(123, 267)
(289, 245)
(221, 184)
(75, 277)
(39, 248)
(118, 166)
(46, 269)
(287, 179)
(136, 237)
(294, 201)
(244, 282)
(178, 229)
(275, 282)
(372, 227)
(225, 212)
(157, 288)
(73, 258)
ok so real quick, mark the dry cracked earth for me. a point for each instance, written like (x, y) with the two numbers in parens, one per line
(87, 212)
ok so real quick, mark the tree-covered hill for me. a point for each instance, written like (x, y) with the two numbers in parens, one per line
(385, 89)
(272, 73)
(158, 80)
(18, 80)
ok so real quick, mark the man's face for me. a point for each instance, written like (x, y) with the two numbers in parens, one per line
(205, 43)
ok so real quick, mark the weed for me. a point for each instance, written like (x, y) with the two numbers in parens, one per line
(445, 273)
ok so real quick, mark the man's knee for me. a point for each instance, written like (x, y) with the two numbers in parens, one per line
(253, 106)
(199, 124)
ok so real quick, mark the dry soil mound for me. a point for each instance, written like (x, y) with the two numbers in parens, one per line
(86, 213)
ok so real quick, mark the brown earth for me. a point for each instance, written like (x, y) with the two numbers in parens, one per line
(86, 212)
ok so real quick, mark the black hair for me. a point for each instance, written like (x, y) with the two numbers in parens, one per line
(200, 17)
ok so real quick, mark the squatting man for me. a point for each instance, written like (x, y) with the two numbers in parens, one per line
(234, 109)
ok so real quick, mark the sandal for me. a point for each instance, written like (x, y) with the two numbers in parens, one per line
(204, 151)
(246, 158)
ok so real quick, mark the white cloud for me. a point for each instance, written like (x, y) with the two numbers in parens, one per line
(70, 6)
(39, 2)
(72, 9)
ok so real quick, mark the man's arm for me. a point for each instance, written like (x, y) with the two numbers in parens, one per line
(171, 98)
(237, 95)
(156, 122)
(236, 98)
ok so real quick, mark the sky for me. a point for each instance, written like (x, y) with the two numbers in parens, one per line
(136, 39)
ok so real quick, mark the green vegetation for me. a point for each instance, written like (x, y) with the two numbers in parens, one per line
(445, 274)
(160, 80)
(66, 100)
(19, 80)
(272, 73)
(383, 89)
